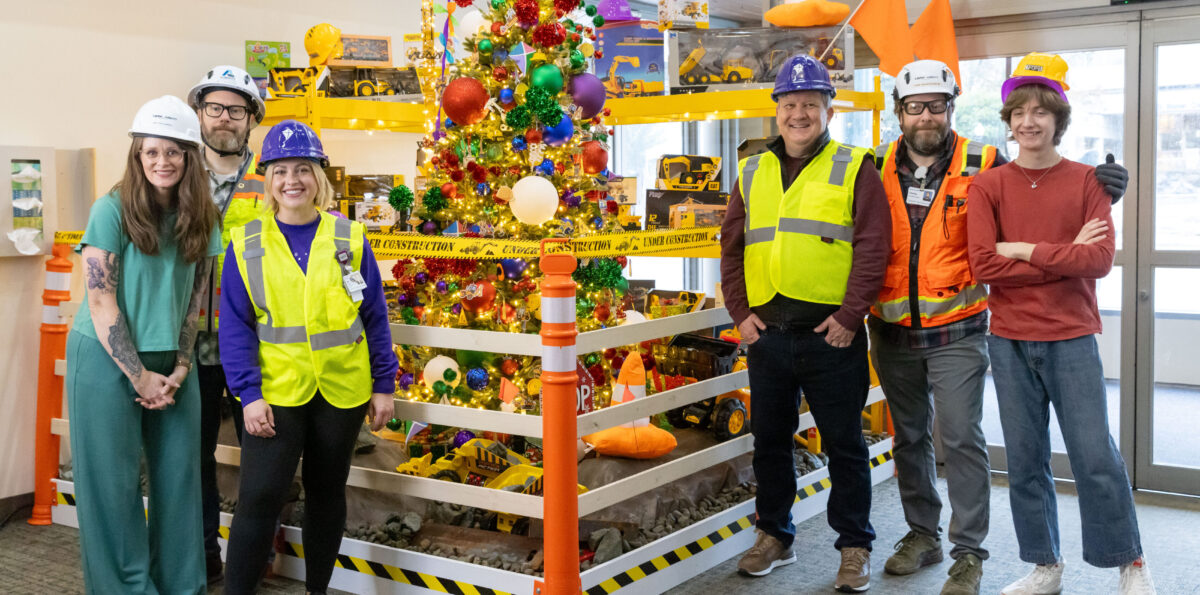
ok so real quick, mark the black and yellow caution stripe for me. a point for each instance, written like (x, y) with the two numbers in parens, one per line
(400, 575)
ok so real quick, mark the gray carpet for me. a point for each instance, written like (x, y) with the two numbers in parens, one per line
(46, 559)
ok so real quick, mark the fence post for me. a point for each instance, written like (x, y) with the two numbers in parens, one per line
(50, 385)
(560, 498)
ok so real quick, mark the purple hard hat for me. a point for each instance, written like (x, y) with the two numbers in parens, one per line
(615, 10)
(288, 139)
(801, 73)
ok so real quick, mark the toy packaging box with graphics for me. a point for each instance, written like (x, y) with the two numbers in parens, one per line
(722, 59)
(632, 61)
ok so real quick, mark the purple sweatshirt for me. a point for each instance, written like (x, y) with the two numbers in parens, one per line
(239, 338)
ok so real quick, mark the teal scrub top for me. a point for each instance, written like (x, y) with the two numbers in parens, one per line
(154, 290)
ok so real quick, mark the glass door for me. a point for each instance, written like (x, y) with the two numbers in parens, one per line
(1168, 275)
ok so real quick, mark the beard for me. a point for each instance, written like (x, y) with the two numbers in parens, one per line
(226, 140)
(926, 140)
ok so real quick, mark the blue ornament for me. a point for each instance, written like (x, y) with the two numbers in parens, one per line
(463, 437)
(499, 55)
(506, 94)
(513, 267)
(546, 168)
(482, 189)
(598, 223)
(477, 378)
(557, 136)
(518, 143)
(449, 123)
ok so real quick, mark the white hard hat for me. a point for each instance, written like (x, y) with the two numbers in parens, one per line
(233, 79)
(925, 76)
(167, 117)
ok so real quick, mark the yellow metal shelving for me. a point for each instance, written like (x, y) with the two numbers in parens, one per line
(345, 113)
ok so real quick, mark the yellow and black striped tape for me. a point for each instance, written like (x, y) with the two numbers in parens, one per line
(400, 575)
(684, 552)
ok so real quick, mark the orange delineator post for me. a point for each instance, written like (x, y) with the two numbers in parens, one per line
(50, 386)
(560, 498)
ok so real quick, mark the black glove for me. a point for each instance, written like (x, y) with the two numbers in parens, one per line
(1113, 177)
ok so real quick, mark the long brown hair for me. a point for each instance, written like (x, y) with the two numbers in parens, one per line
(142, 216)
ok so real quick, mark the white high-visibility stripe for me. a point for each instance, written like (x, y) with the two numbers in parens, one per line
(50, 315)
(58, 281)
(558, 359)
(558, 310)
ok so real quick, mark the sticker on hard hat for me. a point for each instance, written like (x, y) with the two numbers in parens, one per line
(1034, 67)
(287, 134)
(798, 73)
(227, 74)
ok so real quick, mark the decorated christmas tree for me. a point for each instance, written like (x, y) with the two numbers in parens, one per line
(518, 152)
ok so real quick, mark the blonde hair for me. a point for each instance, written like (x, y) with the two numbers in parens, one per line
(323, 200)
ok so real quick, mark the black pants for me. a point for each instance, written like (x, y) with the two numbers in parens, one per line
(212, 393)
(325, 436)
(834, 381)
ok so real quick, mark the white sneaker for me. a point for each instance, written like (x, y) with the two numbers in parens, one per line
(1044, 580)
(1135, 579)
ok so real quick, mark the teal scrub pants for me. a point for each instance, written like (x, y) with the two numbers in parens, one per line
(124, 548)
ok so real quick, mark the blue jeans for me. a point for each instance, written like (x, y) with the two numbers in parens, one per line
(834, 381)
(1030, 376)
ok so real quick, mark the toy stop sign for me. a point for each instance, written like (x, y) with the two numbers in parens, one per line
(585, 387)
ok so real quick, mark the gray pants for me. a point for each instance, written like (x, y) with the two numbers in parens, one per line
(955, 373)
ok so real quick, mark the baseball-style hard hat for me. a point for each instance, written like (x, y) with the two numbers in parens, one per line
(288, 139)
(801, 72)
(230, 78)
(1038, 69)
(167, 117)
(925, 76)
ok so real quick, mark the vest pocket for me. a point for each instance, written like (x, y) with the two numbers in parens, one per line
(956, 274)
(340, 310)
(821, 201)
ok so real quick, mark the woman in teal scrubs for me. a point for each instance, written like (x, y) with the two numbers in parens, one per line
(146, 255)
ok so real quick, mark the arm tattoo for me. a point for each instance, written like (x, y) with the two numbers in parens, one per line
(187, 334)
(122, 347)
(103, 276)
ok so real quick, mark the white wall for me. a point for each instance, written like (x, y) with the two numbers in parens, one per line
(74, 74)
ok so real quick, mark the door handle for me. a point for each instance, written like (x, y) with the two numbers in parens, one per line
(1144, 295)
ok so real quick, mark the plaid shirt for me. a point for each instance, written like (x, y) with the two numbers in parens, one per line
(936, 336)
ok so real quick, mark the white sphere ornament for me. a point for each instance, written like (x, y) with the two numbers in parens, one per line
(470, 21)
(535, 200)
(633, 317)
(435, 370)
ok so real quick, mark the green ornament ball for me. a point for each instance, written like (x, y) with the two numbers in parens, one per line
(440, 387)
(577, 60)
(590, 10)
(548, 77)
(449, 375)
(592, 359)
(452, 287)
(394, 424)
(498, 4)
(485, 46)
(598, 21)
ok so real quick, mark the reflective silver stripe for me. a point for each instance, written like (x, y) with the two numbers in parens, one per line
(282, 334)
(881, 155)
(252, 254)
(747, 184)
(897, 310)
(761, 234)
(822, 229)
(250, 186)
(341, 241)
(973, 150)
(841, 161)
(329, 339)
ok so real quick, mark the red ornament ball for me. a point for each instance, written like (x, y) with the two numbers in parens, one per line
(457, 175)
(465, 100)
(509, 367)
(612, 207)
(464, 3)
(601, 312)
(479, 296)
(533, 136)
(497, 29)
(500, 73)
(449, 190)
(595, 157)
(597, 374)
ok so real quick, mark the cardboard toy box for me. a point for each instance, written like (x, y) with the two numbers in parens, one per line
(692, 213)
(376, 214)
(633, 61)
(728, 58)
(752, 146)
(659, 204)
(688, 172)
(675, 14)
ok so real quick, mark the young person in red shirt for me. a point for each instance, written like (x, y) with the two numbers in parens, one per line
(1039, 233)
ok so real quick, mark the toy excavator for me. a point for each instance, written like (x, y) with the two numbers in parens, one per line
(616, 86)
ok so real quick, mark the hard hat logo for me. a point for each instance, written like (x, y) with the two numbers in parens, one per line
(798, 74)
(1035, 68)
(801, 73)
(287, 135)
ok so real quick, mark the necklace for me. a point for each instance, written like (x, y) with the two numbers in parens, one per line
(1032, 182)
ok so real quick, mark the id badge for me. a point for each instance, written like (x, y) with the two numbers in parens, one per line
(354, 284)
(920, 197)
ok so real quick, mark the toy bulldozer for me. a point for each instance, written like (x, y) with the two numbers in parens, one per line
(728, 414)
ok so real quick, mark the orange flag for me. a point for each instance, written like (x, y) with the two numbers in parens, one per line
(883, 24)
(933, 36)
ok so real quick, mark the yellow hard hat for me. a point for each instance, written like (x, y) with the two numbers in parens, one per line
(323, 43)
(1038, 69)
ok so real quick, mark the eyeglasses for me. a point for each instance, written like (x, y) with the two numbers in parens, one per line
(937, 106)
(155, 154)
(214, 110)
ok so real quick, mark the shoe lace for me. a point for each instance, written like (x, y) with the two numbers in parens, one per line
(854, 558)
(961, 566)
(910, 537)
(761, 544)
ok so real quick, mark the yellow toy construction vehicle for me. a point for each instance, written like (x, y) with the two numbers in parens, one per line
(728, 414)
(834, 60)
(615, 85)
(735, 71)
(690, 72)
(682, 172)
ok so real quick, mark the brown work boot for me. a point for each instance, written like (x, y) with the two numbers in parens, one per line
(913, 552)
(767, 554)
(965, 576)
(854, 575)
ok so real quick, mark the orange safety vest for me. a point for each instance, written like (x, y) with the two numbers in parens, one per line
(245, 205)
(945, 289)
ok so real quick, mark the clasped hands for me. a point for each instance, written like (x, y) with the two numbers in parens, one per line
(155, 391)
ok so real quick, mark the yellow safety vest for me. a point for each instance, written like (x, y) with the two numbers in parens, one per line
(799, 241)
(245, 204)
(310, 336)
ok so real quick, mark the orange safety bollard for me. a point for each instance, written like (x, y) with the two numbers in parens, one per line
(50, 385)
(560, 499)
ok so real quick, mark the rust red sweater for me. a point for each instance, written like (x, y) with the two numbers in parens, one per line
(1053, 296)
(872, 243)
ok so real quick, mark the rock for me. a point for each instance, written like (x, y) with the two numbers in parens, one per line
(608, 545)
(411, 521)
(424, 544)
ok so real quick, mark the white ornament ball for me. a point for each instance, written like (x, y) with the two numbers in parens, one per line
(633, 317)
(435, 370)
(470, 21)
(535, 200)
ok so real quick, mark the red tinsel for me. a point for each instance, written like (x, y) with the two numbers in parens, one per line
(464, 3)
(566, 5)
(549, 35)
(527, 12)
(612, 207)
(439, 267)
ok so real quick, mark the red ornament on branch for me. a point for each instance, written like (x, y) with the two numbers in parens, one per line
(527, 12)
(549, 35)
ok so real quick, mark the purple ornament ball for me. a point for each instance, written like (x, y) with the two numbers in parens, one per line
(441, 287)
(420, 278)
(429, 228)
(513, 267)
(462, 437)
(588, 93)
(406, 380)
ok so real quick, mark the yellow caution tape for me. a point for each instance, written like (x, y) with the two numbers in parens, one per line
(68, 237)
(635, 243)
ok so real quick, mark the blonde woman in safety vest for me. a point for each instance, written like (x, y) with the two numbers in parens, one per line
(803, 247)
(306, 346)
(147, 250)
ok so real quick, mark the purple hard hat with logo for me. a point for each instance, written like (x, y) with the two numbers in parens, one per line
(291, 139)
(801, 73)
(615, 11)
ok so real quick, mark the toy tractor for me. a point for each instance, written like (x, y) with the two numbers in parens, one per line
(834, 60)
(736, 71)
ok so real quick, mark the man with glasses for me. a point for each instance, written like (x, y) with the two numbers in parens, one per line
(929, 323)
(227, 101)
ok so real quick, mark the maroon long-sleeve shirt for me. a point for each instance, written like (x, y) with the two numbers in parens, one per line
(872, 244)
(1053, 296)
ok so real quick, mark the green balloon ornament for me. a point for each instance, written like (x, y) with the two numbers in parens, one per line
(548, 77)
(590, 10)
(576, 60)
(598, 20)
(485, 46)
